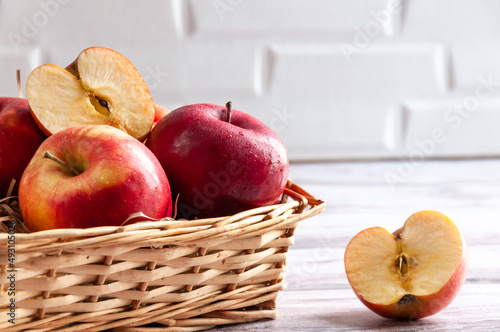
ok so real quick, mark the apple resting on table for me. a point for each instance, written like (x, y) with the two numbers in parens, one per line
(89, 176)
(100, 87)
(413, 273)
(19, 139)
(219, 161)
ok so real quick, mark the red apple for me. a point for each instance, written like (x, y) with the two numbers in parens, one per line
(19, 139)
(413, 273)
(90, 176)
(219, 161)
(160, 113)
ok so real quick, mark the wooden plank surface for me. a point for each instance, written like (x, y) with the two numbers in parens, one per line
(358, 196)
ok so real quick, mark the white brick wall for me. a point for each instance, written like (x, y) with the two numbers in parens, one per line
(336, 79)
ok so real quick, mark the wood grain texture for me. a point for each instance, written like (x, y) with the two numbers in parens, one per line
(318, 296)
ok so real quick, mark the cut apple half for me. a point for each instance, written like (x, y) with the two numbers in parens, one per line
(100, 87)
(411, 273)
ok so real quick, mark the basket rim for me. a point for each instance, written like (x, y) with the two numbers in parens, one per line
(301, 199)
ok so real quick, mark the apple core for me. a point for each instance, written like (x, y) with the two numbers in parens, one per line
(402, 265)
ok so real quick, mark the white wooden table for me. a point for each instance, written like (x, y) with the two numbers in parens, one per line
(318, 296)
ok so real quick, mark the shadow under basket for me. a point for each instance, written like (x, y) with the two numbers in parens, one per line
(149, 276)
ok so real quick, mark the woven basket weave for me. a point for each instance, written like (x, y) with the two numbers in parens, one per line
(168, 275)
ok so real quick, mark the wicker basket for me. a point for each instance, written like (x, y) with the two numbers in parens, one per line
(151, 276)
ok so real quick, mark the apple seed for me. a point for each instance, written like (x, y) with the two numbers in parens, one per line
(103, 103)
(402, 264)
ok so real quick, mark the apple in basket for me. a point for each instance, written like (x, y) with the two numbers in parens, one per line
(219, 161)
(160, 113)
(100, 87)
(88, 176)
(19, 139)
(413, 273)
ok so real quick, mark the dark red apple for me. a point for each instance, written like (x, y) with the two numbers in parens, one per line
(219, 161)
(19, 139)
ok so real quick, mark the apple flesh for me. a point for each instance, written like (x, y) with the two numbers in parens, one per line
(219, 161)
(101, 87)
(413, 273)
(20, 137)
(97, 176)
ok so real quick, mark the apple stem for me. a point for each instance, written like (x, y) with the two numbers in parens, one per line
(19, 87)
(229, 107)
(71, 170)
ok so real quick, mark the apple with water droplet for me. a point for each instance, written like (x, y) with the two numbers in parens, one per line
(89, 176)
(218, 160)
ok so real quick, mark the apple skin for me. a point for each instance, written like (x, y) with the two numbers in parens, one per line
(160, 113)
(218, 168)
(20, 137)
(118, 176)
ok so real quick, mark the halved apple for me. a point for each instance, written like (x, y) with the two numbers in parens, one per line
(415, 272)
(100, 87)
